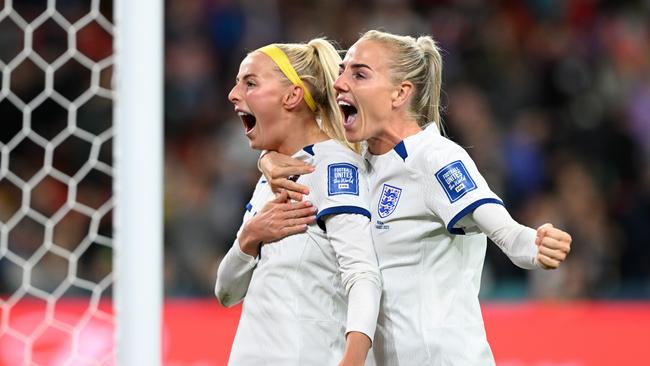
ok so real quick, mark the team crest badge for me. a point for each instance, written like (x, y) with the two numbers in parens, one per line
(388, 200)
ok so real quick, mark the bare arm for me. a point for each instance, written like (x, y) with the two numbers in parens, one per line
(357, 345)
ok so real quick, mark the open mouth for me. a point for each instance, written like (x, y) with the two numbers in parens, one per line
(249, 121)
(349, 112)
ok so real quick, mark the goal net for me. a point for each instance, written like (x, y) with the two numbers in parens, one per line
(57, 271)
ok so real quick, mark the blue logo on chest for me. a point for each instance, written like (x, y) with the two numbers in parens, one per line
(388, 200)
(342, 178)
(455, 180)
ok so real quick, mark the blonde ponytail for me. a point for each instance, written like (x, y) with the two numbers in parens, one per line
(317, 64)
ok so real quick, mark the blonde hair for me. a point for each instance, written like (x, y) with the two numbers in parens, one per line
(418, 61)
(317, 64)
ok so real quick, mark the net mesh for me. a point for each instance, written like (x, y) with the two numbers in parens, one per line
(56, 62)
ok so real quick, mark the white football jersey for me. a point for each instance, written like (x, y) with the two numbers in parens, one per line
(430, 265)
(295, 305)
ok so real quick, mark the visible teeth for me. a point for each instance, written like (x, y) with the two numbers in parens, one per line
(241, 114)
(344, 104)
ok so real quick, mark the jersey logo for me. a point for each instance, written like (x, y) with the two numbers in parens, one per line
(455, 180)
(342, 178)
(388, 200)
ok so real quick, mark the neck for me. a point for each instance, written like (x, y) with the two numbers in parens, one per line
(392, 133)
(302, 131)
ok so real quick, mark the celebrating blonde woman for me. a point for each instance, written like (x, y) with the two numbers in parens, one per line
(310, 291)
(431, 208)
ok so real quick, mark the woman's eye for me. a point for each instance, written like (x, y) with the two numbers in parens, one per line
(358, 75)
(250, 84)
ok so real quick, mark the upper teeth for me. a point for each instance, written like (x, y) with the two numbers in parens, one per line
(241, 114)
(344, 104)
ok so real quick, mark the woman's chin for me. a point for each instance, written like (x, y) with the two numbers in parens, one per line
(353, 134)
(253, 144)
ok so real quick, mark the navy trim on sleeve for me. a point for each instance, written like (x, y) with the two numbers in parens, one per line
(339, 210)
(465, 211)
(309, 149)
(249, 207)
(400, 149)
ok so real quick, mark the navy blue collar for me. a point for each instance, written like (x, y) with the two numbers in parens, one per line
(400, 149)
(309, 149)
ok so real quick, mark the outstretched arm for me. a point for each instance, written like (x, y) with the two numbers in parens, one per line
(280, 172)
(546, 247)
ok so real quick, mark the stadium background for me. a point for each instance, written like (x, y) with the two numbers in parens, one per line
(551, 98)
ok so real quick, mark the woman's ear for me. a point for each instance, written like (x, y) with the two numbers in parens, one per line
(293, 97)
(402, 94)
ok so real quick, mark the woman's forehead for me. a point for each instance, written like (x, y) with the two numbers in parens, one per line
(367, 52)
(256, 63)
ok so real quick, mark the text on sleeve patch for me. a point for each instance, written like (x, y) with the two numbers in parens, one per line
(342, 178)
(455, 180)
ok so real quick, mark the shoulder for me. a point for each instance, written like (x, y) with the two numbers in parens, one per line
(331, 152)
(434, 152)
(339, 184)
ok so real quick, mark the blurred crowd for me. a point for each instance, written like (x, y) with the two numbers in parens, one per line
(551, 99)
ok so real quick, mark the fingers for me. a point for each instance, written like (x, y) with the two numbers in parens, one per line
(551, 253)
(297, 229)
(555, 233)
(546, 262)
(286, 184)
(277, 159)
(554, 254)
(285, 171)
(553, 246)
(541, 232)
(299, 213)
(558, 234)
(551, 243)
(296, 205)
(291, 227)
(281, 197)
(295, 196)
(553, 238)
(301, 221)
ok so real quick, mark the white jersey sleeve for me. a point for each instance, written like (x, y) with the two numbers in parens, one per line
(339, 190)
(515, 240)
(455, 187)
(351, 239)
(339, 185)
(235, 270)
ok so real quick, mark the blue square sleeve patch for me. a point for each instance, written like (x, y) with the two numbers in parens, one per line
(342, 178)
(455, 180)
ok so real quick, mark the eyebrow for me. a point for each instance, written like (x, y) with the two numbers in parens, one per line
(355, 66)
(244, 77)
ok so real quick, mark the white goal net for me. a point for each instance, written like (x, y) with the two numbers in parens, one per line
(56, 176)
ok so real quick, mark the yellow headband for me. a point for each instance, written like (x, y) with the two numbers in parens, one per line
(280, 59)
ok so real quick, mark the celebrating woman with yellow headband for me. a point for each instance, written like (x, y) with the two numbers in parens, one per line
(310, 290)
